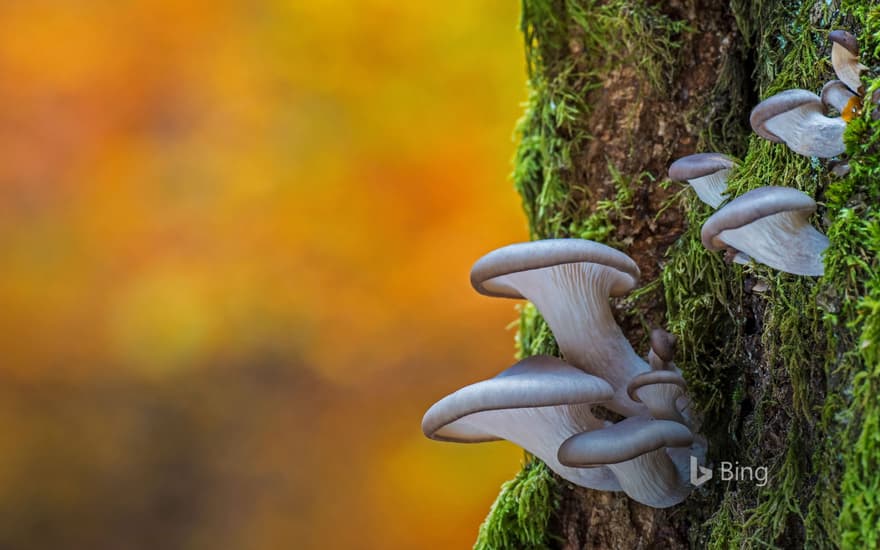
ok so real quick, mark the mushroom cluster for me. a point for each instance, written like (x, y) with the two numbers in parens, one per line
(771, 224)
(546, 405)
(799, 118)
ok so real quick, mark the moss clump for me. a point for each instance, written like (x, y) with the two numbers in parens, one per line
(570, 47)
(520, 514)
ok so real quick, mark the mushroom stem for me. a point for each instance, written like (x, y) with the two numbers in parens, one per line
(578, 297)
(652, 479)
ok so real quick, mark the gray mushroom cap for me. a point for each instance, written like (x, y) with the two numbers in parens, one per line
(537, 403)
(663, 344)
(836, 94)
(623, 441)
(519, 257)
(845, 59)
(635, 449)
(771, 225)
(707, 173)
(797, 118)
(570, 281)
(660, 391)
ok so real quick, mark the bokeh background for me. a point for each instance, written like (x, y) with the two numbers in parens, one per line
(235, 239)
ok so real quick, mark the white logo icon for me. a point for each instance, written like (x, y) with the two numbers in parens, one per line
(699, 474)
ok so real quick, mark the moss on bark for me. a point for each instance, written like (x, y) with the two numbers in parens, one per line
(788, 377)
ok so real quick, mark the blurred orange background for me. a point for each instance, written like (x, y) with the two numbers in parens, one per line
(235, 239)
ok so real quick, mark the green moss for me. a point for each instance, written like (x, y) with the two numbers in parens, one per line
(551, 129)
(520, 514)
(817, 337)
(554, 124)
(815, 379)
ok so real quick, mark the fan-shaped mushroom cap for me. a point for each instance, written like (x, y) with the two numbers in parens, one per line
(836, 94)
(488, 273)
(706, 172)
(570, 281)
(659, 390)
(797, 118)
(845, 59)
(771, 225)
(537, 403)
(635, 450)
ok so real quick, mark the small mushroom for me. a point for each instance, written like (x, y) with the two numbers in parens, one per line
(706, 172)
(662, 349)
(845, 59)
(570, 282)
(797, 118)
(771, 225)
(537, 403)
(659, 390)
(837, 95)
(635, 450)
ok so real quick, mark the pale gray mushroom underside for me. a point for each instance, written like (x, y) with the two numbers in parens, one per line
(771, 225)
(656, 470)
(807, 131)
(536, 404)
(570, 282)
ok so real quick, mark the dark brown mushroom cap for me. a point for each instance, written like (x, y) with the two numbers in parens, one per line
(538, 381)
(663, 344)
(698, 166)
(782, 103)
(653, 377)
(754, 205)
(845, 39)
(519, 257)
(623, 441)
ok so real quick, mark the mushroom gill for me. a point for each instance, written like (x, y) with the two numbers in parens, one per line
(570, 281)
(537, 404)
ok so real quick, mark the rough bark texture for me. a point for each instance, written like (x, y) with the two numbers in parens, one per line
(783, 368)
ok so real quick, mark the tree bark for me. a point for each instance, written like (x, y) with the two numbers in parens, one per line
(776, 363)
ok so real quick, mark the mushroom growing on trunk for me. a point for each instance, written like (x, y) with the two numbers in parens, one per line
(707, 173)
(771, 225)
(836, 94)
(538, 403)
(660, 391)
(635, 449)
(570, 282)
(797, 118)
(845, 59)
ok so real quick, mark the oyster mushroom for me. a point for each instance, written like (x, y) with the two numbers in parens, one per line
(771, 225)
(660, 391)
(845, 59)
(635, 449)
(706, 172)
(570, 282)
(837, 95)
(797, 118)
(662, 351)
(538, 403)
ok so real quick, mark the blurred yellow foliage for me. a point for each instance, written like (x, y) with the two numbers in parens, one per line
(235, 242)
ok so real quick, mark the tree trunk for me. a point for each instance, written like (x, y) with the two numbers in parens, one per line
(783, 368)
